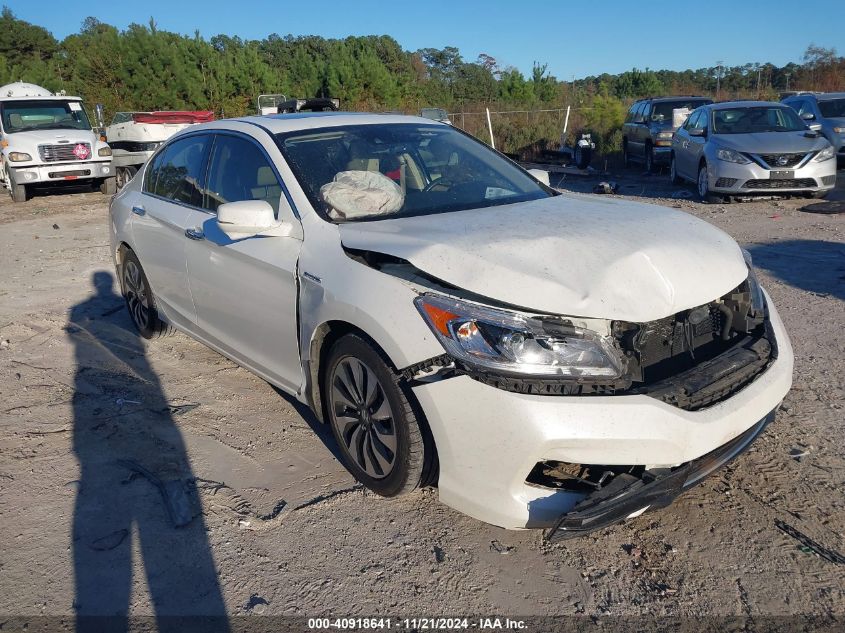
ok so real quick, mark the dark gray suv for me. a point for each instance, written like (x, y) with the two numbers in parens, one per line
(648, 129)
(826, 110)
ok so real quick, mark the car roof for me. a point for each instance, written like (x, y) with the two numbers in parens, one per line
(279, 123)
(676, 98)
(829, 95)
(725, 105)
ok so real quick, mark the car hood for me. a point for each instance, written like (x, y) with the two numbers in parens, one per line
(569, 255)
(770, 142)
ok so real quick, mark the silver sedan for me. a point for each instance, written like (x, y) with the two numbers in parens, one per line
(745, 148)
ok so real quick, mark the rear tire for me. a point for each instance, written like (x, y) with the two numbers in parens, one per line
(626, 158)
(124, 175)
(140, 300)
(375, 426)
(108, 187)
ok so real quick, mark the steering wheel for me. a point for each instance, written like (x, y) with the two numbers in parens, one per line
(443, 182)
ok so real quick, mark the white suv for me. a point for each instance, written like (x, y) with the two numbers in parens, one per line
(545, 359)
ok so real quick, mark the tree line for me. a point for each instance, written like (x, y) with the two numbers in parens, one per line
(145, 68)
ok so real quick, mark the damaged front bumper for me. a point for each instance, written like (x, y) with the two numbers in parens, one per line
(627, 496)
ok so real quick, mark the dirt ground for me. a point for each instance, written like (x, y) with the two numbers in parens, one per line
(92, 420)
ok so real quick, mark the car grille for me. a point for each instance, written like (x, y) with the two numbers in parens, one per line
(56, 153)
(790, 160)
(780, 183)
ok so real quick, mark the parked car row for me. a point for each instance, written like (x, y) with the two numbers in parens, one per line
(741, 148)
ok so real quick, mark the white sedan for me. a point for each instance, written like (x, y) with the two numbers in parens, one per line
(545, 359)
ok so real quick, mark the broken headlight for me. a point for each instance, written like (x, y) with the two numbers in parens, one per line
(501, 340)
(757, 300)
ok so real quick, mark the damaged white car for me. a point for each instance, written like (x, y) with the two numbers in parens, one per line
(546, 360)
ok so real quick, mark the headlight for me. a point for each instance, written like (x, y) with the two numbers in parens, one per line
(17, 157)
(104, 151)
(757, 300)
(839, 130)
(665, 135)
(731, 156)
(826, 154)
(510, 342)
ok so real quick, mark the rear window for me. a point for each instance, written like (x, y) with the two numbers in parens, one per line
(662, 111)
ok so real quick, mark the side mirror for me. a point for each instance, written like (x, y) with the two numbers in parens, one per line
(540, 174)
(808, 116)
(697, 131)
(99, 114)
(250, 218)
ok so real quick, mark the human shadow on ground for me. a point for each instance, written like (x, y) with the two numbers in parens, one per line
(136, 504)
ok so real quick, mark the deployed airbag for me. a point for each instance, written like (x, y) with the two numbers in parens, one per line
(353, 194)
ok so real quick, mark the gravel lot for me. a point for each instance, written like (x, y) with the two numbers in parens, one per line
(279, 527)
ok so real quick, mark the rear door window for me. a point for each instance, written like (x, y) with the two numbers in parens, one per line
(238, 170)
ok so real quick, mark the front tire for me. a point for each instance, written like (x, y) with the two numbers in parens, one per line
(626, 158)
(140, 300)
(108, 187)
(649, 159)
(704, 186)
(375, 427)
(18, 192)
(673, 172)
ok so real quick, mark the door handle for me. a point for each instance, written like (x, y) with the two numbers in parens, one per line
(194, 234)
(138, 210)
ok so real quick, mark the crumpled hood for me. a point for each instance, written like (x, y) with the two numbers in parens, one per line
(569, 255)
(771, 142)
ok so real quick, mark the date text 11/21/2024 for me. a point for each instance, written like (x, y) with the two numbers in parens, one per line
(416, 624)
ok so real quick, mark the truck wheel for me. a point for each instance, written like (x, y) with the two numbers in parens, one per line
(19, 192)
(124, 175)
(380, 438)
(649, 159)
(109, 186)
(626, 158)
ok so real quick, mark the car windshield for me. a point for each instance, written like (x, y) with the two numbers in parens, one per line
(390, 170)
(24, 116)
(831, 108)
(662, 110)
(755, 119)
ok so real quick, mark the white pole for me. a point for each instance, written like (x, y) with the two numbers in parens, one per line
(566, 120)
(490, 127)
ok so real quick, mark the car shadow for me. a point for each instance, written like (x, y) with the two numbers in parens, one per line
(321, 430)
(813, 265)
(136, 501)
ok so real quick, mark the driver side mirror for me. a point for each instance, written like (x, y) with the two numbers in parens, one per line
(808, 116)
(250, 218)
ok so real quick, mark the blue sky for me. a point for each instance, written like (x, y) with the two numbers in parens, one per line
(575, 38)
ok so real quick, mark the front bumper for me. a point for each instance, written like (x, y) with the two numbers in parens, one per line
(61, 172)
(752, 179)
(629, 496)
(489, 440)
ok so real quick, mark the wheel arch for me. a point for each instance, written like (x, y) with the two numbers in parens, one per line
(323, 337)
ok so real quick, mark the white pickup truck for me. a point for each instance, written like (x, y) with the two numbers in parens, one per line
(47, 141)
